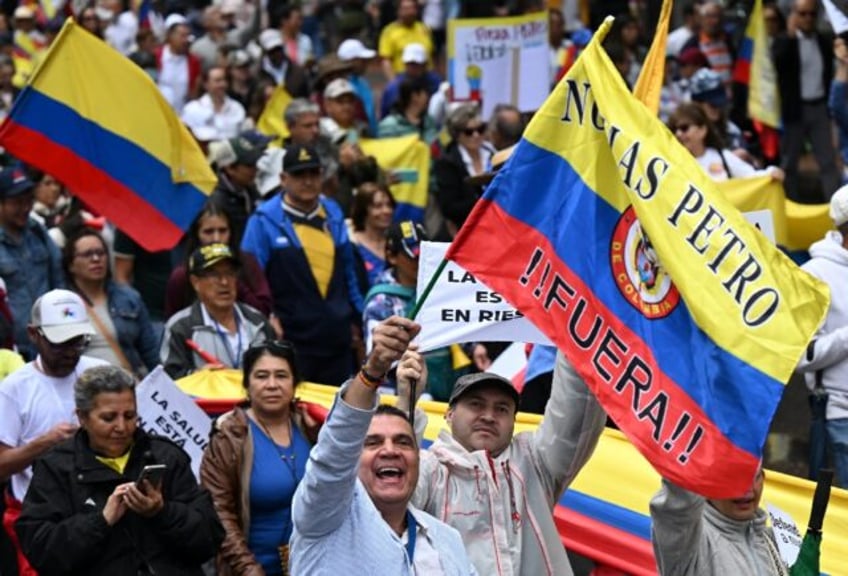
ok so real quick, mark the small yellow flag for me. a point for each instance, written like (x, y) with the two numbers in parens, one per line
(650, 82)
(272, 121)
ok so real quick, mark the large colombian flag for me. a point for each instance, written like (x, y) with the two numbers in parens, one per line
(683, 319)
(98, 123)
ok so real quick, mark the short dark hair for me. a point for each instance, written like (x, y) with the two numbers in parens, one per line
(389, 410)
(282, 349)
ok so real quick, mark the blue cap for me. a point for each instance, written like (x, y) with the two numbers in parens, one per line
(14, 182)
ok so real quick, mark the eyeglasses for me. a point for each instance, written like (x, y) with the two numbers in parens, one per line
(471, 130)
(94, 253)
(682, 128)
(78, 344)
(807, 13)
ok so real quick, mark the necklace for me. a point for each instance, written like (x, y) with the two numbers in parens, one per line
(288, 453)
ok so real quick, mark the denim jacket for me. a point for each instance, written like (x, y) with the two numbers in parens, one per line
(30, 268)
(136, 336)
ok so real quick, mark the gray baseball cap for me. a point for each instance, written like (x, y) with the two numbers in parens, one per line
(482, 379)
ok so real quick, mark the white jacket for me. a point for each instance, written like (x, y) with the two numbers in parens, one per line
(829, 351)
(503, 507)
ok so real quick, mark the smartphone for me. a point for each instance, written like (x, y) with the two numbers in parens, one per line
(153, 473)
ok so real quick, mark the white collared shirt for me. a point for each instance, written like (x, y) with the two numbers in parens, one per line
(237, 341)
(174, 78)
(426, 558)
(227, 121)
(486, 154)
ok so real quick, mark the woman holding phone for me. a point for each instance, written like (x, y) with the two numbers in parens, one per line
(256, 458)
(90, 510)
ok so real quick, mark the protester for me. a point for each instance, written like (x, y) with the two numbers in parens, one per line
(216, 330)
(689, 123)
(497, 489)
(409, 113)
(215, 111)
(414, 58)
(505, 127)
(300, 239)
(298, 46)
(804, 66)
(276, 69)
(340, 124)
(212, 226)
(353, 51)
(693, 535)
(825, 366)
(178, 70)
(371, 215)
(86, 514)
(36, 401)
(256, 458)
(236, 191)
(30, 262)
(712, 40)
(123, 335)
(395, 37)
(468, 154)
(353, 506)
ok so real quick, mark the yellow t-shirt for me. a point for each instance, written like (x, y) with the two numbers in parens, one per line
(318, 245)
(117, 464)
(396, 36)
(9, 362)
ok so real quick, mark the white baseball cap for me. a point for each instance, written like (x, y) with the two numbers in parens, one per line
(414, 54)
(61, 315)
(351, 49)
(839, 206)
(338, 87)
(270, 39)
(175, 20)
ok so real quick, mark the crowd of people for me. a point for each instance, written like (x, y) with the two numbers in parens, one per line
(298, 269)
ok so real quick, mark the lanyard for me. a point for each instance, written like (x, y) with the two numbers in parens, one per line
(411, 529)
(234, 360)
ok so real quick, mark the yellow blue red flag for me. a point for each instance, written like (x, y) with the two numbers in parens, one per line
(407, 160)
(683, 319)
(95, 121)
(754, 67)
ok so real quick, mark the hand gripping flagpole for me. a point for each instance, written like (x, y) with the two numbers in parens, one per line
(412, 314)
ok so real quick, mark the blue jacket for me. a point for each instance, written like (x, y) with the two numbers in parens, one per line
(337, 528)
(136, 336)
(315, 324)
(366, 96)
(30, 268)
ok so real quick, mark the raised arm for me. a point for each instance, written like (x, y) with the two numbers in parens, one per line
(676, 529)
(572, 424)
(323, 498)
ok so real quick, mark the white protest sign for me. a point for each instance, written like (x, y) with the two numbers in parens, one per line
(165, 410)
(460, 308)
(762, 220)
(837, 13)
(500, 61)
(786, 534)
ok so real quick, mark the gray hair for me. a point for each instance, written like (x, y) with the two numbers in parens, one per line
(460, 117)
(98, 380)
(297, 108)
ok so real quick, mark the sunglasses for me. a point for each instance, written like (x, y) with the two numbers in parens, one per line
(807, 13)
(682, 128)
(275, 346)
(471, 130)
(78, 344)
